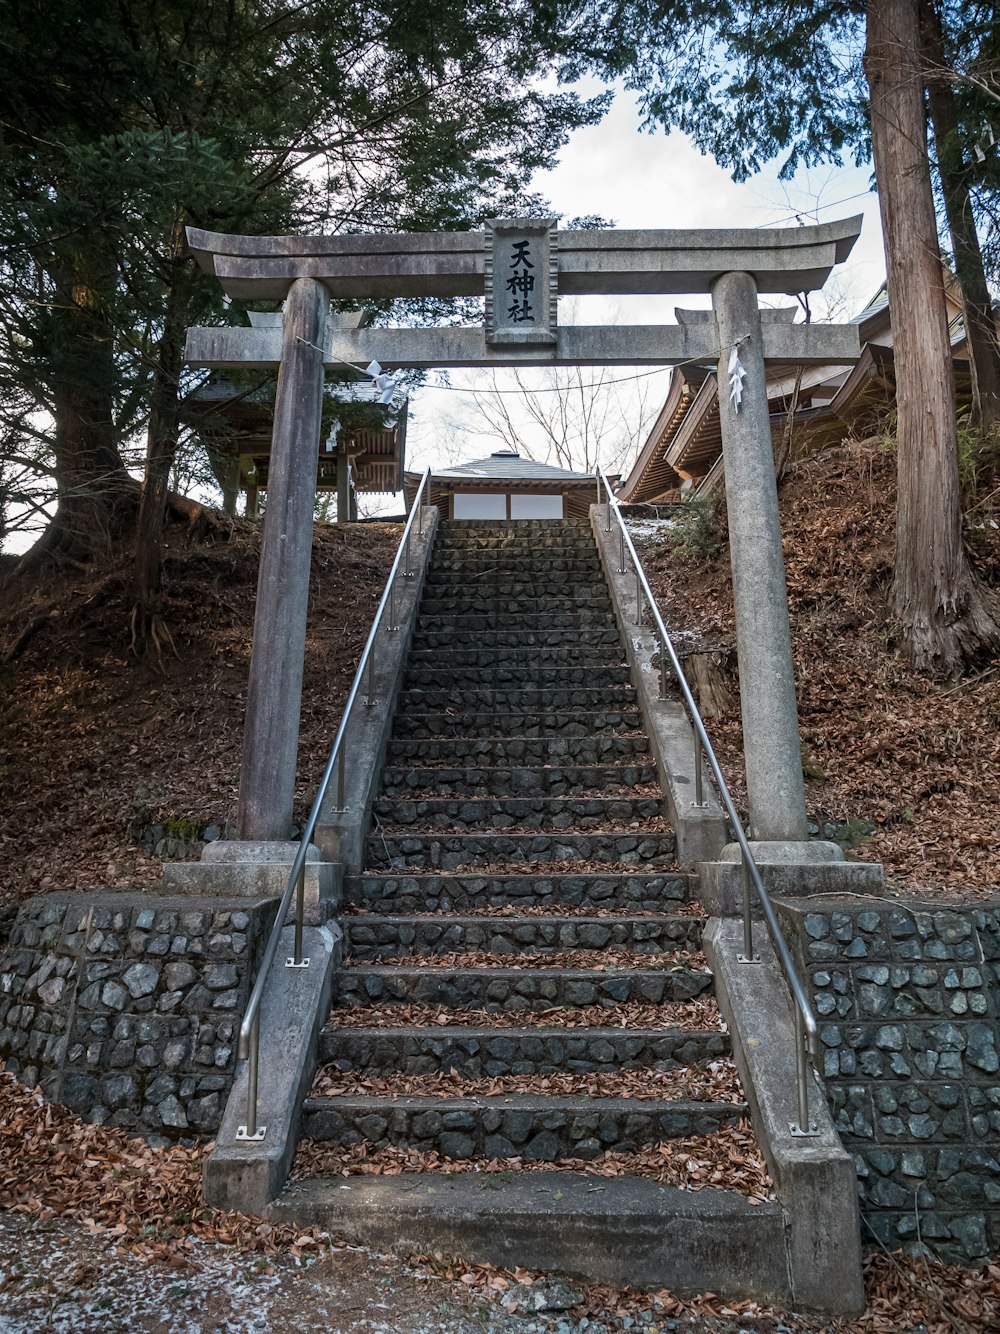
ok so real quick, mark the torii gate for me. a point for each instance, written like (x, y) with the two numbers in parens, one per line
(521, 266)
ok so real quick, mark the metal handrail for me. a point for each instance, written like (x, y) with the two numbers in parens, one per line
(805, 1020)
(249, 1043)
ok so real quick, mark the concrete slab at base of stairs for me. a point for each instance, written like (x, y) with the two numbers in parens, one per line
(604, 1229)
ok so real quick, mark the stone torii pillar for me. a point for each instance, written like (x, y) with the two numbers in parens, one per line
(772, 753)
(274, 692)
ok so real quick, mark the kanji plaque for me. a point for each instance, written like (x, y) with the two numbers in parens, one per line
(521, 276)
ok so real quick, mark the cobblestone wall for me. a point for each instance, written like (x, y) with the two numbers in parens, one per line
(126, 1006)
(908, 1001)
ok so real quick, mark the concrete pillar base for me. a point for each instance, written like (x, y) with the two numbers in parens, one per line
(257, 870)
(789, 869)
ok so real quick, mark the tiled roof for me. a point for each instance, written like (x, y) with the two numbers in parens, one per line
(509, 467)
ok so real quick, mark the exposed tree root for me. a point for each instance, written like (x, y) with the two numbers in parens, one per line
(957, 638)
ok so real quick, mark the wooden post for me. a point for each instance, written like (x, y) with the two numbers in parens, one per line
(772, 754)
(343, 485)
(274, 693)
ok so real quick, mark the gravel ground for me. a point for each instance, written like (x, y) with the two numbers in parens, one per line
(57, 1277)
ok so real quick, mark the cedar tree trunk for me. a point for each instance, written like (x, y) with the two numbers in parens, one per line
(946, 616)
(980, 327)
(161, 449)
(90, 475)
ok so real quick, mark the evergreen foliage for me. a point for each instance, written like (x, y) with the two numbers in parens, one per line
(122, 122)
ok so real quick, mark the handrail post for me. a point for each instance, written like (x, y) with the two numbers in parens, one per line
(748, 955)
(638, 597)
(252, 1065)
(608, 528)
(407, 570)
(370, 698)
(663, 669)
(699, 782)
(392, 608)
(804, 1128)
(252, 1131)
(300, 907)
(621, 539)
(598, 486)
(341, 779)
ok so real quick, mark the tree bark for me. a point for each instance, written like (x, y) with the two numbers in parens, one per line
(947, 617)
(148, 625)
(89, 471)
(980, 326)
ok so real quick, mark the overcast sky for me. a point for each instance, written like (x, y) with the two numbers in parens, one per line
(636, 179)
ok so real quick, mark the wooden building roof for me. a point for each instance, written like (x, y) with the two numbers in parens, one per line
(504, 472)
(683, 451)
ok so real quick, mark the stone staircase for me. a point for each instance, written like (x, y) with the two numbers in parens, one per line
(522, 955)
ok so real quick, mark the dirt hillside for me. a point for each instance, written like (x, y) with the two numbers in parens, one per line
(904, 770)
(99, 746)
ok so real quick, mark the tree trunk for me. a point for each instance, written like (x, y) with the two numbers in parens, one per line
(980, 327)
(161, 447)
(90, 475)
(706, 674)
(946, 616)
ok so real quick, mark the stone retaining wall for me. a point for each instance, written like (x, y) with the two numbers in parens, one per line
(908, 1001)
(125, 1007)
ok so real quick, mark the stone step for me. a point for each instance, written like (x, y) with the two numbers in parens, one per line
(449, 852)
(500, 618)
(525, 1125)
(577, 548)
(527, 724)
(618, 1230)
(514, 989)
(553, 780)
(474, 603)
(515, 583)
(429, 814)
(515, 565)
(437, 641)
(539, 545)
(516, 699)
(369, 937)
(635, 891)
(515, 527)
(478, 1052)
(605, 748)
(536, 530)
(580, 654)
(524, 673)
(535, 535)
